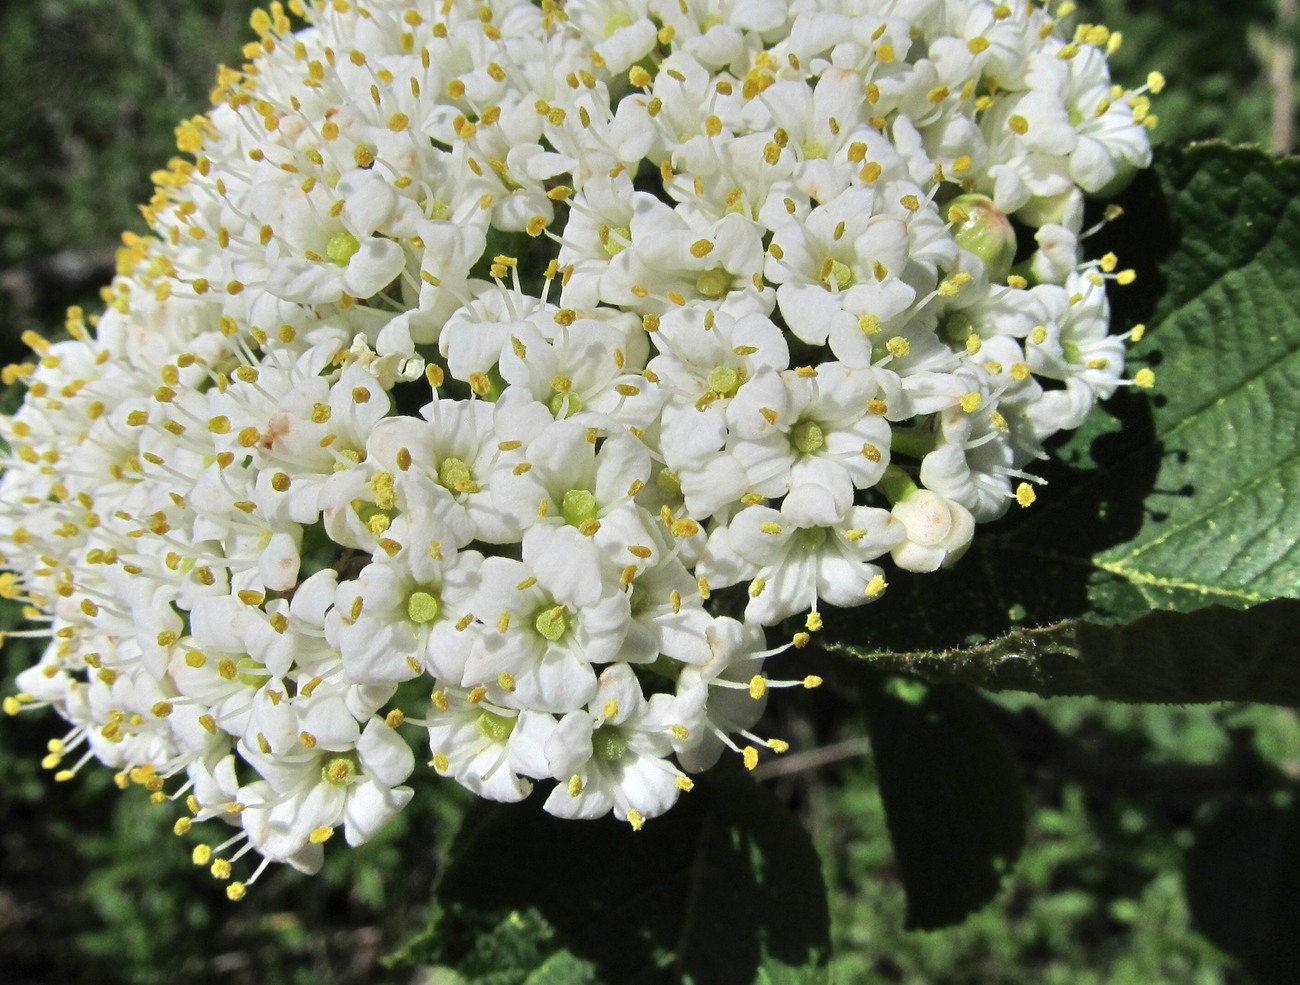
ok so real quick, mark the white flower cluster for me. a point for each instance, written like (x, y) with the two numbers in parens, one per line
(487, 344)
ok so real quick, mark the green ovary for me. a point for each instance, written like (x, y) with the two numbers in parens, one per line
(455, 475)
(840, 276)
(811, 538)
(578, 506)
(496, 727)
(615, 21)
(807, 437)
(422, 607)
(813, 150)
(725, 381)
(608, 744)
(714, 284)
(339, 769)
(615, 239)
(342, 248)
(564, 405)
(552, 623)
(251, 673)
(668, 485)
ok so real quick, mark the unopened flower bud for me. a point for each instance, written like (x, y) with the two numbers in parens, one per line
(986, 232)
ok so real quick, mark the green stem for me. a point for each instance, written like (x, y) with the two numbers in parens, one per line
(896, 484)
(912, 442)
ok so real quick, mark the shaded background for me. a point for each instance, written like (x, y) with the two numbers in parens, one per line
(1131, 808)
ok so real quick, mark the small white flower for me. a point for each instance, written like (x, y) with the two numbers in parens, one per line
(937, 531)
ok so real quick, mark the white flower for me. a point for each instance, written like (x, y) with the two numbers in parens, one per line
(489, 749)
(614, 755)
(938, 531)
(490, 348)
(546, 620)
(397, 620)
(812, 548)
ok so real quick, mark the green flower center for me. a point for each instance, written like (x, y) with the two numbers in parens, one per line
(615, 240)
(615, 21)
(811, 538)
(668, 485)
(840, 276)
(422, 607)
(1071, 351)
(339, 769)
(496, 727)
(813, 150)
(725, 381)
(608, 743)
(578, 506)
(807, 436)
(714, 284)
(342, 248)
(564, 404)
(552, 623)
(251, 673)
(455, 475)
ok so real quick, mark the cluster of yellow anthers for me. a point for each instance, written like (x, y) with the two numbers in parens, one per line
(481, 347)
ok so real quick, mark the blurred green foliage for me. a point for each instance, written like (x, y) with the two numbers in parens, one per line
(94, 887)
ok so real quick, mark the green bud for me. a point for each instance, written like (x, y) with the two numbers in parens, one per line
(987, 233)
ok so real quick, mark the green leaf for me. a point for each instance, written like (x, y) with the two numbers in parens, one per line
(953, 801)
(1222, 519)
(1185, 500)
(725, 888)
